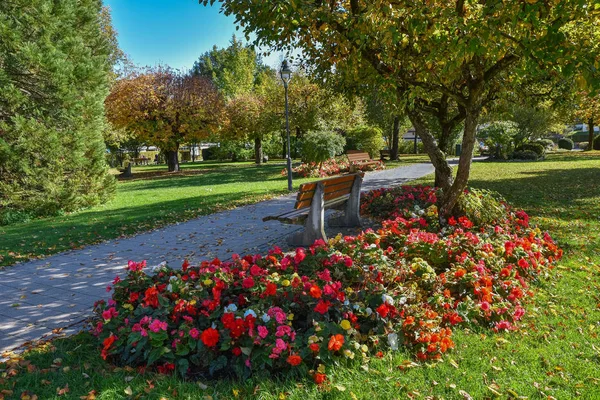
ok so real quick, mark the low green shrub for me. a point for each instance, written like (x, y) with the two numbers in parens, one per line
(408, 147)
(525, 155)
(547, 143)
(582, 145)
(365, 138)
(537, 148)
(597, 143)
(565, 143)
(319, 146)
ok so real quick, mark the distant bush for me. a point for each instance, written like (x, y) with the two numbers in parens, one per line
(525, 155)
(582, 145)
(408, 147)
(547, 143)
(319, 146)
(597, 143)
(230, 150)
(537, 148)
(365, 138)
(565, 143)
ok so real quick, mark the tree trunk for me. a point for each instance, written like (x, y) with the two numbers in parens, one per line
(395, 139)
(173, 159)
(443, 170)
(591, 134)
(258, 151)
(452, 194)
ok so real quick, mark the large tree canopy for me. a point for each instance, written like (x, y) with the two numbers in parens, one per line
(56, 59)
(165, 108)
(448, 59)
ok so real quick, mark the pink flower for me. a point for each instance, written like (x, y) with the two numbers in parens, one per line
(283, 330)
(110, 313)
(194, 333)
(503, 325)
(157, 325)
(300, 255)
(108, 289)
(484, 305)
(519, 312)
(262, 331)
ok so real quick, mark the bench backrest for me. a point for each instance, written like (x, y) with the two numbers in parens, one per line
(357, 156)
(332, 189)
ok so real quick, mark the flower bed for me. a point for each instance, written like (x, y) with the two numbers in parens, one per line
(408, 284)
(334, 166)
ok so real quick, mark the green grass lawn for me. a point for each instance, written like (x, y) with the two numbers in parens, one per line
(556, 354)
(152, 198)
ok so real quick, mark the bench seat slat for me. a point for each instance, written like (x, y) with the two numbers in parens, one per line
(297, 216)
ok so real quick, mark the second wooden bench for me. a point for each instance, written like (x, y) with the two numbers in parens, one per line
(359, 158)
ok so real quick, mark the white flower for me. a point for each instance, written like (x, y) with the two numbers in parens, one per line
(265, 318)
(346, 302)
(231, 308)
(387, 299)
(169, 288)
(393, 341)
(372, 246)
(249, 312)
(369, 311)
(356, 307)
(402, 300)
(214, 326)
(172, 278)
(158, 267)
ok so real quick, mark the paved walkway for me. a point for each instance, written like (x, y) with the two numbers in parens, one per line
(58, 291)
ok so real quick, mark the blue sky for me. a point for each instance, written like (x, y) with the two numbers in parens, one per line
(172, 32)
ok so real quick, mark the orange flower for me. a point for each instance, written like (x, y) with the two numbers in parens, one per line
(336, 342)
(409, 320)
(294, 360)
(315, 292)
(460, 273)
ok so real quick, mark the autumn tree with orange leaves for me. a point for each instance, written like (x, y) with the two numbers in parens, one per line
(165, 108)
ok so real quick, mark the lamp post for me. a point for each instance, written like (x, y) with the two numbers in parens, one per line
(286, 74)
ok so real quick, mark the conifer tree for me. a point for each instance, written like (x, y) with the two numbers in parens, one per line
(55, 66)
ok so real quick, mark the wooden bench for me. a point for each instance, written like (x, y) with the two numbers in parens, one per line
(359, 158)
(383, 154)
(312, 200)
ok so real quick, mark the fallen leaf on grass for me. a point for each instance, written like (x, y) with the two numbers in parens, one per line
(128, 391)
(90, 396)
(62, 391)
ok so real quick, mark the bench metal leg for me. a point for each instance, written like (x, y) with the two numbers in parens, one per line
(314, 227)
(351, 215)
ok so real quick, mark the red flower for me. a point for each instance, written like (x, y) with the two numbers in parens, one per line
(319, 378)
(248, 283)
(314, 347)
(185, 265)
(236, 351)
(210, 337)
(294, 360)
(151, 297)
(271, 289)
(383, 310)
(523, 263)
(335, 342)
(322, 307)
